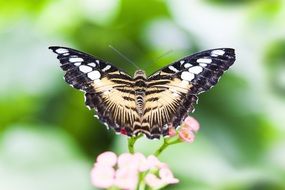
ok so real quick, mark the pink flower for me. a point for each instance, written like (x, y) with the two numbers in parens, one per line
(143, 164)
(131, 161)
(125, 159)
(187, 130)
(192, 123)
(186, 135)
(153, 181)
(135, 161)
(128, 166)
(107, 158)
(102, 176)
(154, 162)
(166, 175)
(126, 178)
(172, 131)
(123, 171)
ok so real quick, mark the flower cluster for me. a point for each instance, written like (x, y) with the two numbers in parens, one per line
(128, 171)
(135, 171)
(186, 131)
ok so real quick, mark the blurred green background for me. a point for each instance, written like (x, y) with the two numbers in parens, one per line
(49, 139)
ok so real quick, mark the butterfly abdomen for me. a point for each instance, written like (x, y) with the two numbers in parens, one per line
(140, 88)
(140, 102)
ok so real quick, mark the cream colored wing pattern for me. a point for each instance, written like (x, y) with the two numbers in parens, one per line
(114, 103)
(172, 92)
(167, 103)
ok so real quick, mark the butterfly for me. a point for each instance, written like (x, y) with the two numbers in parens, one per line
(140, 104)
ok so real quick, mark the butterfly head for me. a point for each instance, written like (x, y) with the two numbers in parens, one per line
(140, 74)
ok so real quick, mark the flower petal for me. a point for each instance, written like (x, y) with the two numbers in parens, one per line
(186, 135)
(166, 175)
(127, 160)
(126, 178)
(142, 162)
(154, 162)
(102, 176)
(153, 181)
(172, 131)
(107, 158)
(192, 123)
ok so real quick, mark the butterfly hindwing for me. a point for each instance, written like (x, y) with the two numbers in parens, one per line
(167, 106)
(172, 91)
(107, 89)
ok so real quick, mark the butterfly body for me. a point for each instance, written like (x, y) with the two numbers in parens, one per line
(141, 104)
(140, 89)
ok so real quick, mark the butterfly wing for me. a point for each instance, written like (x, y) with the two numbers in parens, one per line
(107, 89)
(172, 91)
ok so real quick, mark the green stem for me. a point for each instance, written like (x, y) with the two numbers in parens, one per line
(141, 185)
(175, 141)
(161, 148)
(166, 143)
(113, 188)
(131, 143)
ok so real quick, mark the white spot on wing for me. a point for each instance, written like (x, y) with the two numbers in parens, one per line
(106, 124)
(77, 63)
(195, 70)
(204, 60)
(85, 68)
(61, 50)
(97, 61)
(187, 65)
(75, 59)
(187, 76)
(173, 69)
(216, 53)
(164, 127)
(181, 62)
(106, 68)
(92, 64)
(94, 75)
(203, 64)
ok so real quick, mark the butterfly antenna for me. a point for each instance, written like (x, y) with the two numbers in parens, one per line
(163, 55)
(123, 56)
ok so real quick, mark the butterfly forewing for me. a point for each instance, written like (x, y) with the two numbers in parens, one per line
(202, 69)
(81, 68)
